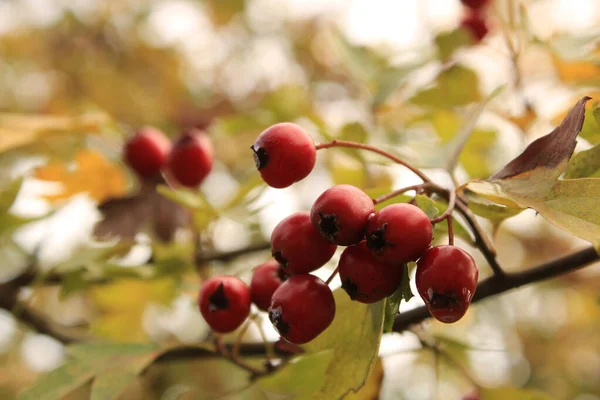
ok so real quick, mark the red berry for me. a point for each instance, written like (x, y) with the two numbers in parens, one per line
(399, 233)
(224, 302)
(341, 214)
(475, 24)
(191, 159)
(266, 278)
(365, 278)
(301, 308)
(446, 279)
(298, 247)
(147, 151)
(284, 154)
(475, 4)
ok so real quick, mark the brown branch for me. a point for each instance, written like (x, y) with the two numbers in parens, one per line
(502, 283)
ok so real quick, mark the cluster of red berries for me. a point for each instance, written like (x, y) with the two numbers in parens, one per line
(474, 21)
(380, 243)
(188, 161)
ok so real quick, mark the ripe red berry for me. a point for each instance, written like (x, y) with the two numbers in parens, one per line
(302, 308)
(399, 233)
(446, 279)
(341, 214)
(475, 24)
(475, 4)
(147, 151)
(191, 159)
(284, 154)
(298, 247)
(266, 278)
(365, 278)
(224, 302)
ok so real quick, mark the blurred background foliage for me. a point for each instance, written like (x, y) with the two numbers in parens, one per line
(77, 78)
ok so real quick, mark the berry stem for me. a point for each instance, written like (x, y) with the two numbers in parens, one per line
(418, 188)
(449, 220)
(362, 146)
(333, 274)
(451, 205)
(237, 361)
(269, 352)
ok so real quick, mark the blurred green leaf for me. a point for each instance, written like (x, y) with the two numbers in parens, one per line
(354, 337)
(455, 86)
(288, 102)
(388, 81)
(8, 194)
(585, 164)
(361, 62)
(87, 361)
(392, 304)
(427, 205)
(301, 378)
(590, 130)
(448, 42)
(513, 394)
(354, 132)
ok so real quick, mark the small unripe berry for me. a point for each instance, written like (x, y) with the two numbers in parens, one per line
(298, 247)
(302, 308)
(446, 279)
(147, 151)
(224, 302)
(399, 233)
(475, 24)
(365, 278)
(284, 154)
(341, 214)
(191, 159)
(266, 278)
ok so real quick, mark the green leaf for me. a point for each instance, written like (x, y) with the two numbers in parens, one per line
(301, 378)
(448, 42)
(194, 200)
(392, 304)
(585, 164)
(84, 363)
(354, 336)
(455, 86)
(354, 132)
(513, 394)
(590, 130)
(485, 208)
(388, 81)
(531, 181)
(8, 194)
(427, 205)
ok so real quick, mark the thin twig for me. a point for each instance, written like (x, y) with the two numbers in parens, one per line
(354, 145)
(333, 274)
(449, 210)
(398, 192)
(450, 221)
(240, 363)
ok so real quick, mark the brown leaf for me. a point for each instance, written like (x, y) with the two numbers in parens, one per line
(126, 216)
(550, 150)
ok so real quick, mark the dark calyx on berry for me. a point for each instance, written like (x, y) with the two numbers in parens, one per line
(376, 240)
(446, 301)
(281, 274)
(351, 288)
(260, 157)
(328, 225)
(276, 318)
(280, 259)
(218, 300)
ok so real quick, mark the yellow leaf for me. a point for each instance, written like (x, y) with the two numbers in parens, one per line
(372, 386)
(92, 174)
(120, 306)
(576, 71)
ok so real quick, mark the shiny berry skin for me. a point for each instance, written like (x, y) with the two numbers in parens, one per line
(266, 278)
(191, 159)
(284, 154)
(341, 214)
(302, 308)
(476, 25)
(399, 233)
(365, 278)
(147, 151)
(298, 247)
(475, 4)
(446, 279)
(224, 302)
